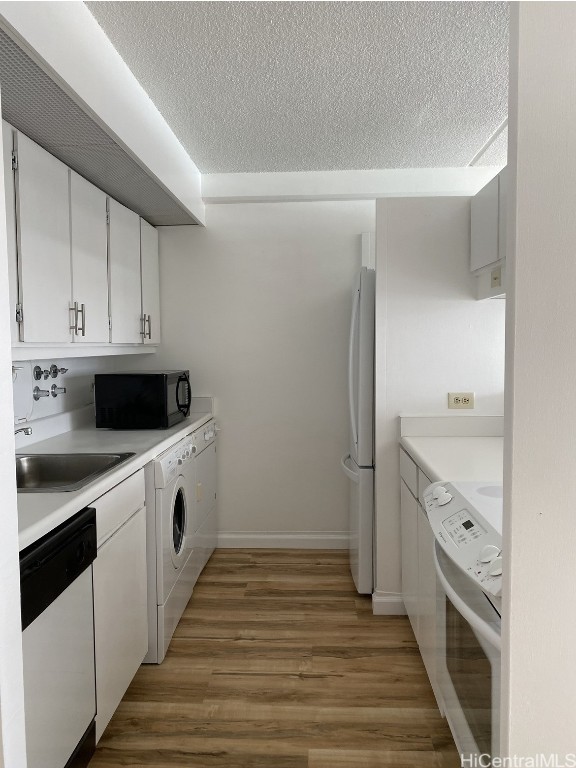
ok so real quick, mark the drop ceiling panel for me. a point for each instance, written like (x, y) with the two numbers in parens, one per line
(34, 104)
(304, 86)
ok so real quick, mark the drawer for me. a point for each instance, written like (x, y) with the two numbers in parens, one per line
(409, 472)
(118, 505)
(423, 483)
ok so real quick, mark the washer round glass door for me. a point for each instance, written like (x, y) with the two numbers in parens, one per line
(178, 525)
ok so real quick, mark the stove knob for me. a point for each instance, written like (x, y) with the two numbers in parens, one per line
(180, 461)
(439, 491)
(496, 567)
(489, 553)
(444, 498)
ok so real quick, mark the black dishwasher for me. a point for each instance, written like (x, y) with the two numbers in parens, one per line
(58, 644)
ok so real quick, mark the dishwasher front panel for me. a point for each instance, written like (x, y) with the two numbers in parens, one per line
(59, 687)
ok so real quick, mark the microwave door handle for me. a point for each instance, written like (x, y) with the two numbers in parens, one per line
(483, 629)
(183, 407)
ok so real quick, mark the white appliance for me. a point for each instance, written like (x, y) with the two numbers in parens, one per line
(358, 464)
(204, 516)
(466, 518)
(181, 530)
(169, 504)
(58, 644)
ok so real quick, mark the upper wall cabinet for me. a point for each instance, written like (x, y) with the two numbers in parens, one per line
(9, 193)
(83, 269)
(150, 283)
(488, 236)
(89, 249)
(43, 242)
(124, 264)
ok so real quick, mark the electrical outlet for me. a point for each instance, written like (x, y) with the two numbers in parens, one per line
(460, 399)
(496, 278)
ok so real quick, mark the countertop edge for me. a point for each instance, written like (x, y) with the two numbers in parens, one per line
(61, 506)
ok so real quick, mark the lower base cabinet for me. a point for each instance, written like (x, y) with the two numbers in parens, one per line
(120, 610)
(419, 580)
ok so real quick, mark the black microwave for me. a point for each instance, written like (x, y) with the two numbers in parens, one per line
(141, 400)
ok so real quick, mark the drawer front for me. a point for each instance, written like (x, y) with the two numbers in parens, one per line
(423, 483)
(118, 505)
(409, 472)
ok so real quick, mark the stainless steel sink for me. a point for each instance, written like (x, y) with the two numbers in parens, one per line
(45, 472)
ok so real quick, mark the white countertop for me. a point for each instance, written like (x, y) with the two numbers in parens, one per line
(39, 513)
(457, 458)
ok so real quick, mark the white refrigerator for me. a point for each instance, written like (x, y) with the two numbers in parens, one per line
(358, 463)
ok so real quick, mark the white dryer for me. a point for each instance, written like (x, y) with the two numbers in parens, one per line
(170, 499)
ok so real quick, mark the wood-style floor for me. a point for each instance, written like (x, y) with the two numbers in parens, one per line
(278, 663)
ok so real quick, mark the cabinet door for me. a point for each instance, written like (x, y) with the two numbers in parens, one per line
(43, 216)
(89, 239)
(409, 532)
(426, 596)
(120, 614)
(125, 284)
(484, 226)
(150, 283)
(9, 193)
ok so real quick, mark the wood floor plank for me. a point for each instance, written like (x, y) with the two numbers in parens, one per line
(279, 663)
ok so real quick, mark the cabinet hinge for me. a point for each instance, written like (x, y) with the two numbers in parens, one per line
(14, 161)
(109, 323)
(107, 217)
(19, 313)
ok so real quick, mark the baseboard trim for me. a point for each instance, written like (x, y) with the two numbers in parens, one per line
(283, 540)
(387, 604)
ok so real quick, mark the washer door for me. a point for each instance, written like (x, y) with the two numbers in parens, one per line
(178, 529)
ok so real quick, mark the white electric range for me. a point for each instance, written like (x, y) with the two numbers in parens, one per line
(466, 519)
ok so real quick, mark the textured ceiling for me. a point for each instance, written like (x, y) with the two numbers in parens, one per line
(302, 86)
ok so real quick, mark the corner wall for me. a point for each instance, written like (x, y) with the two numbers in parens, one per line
(432, 337)
(257, 305)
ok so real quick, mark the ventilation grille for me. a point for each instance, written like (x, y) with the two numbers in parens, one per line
(34, 104)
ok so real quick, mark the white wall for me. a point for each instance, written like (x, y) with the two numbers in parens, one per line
(539, 620)
(12, 744)
(257, 306)
(50, 416)
(432, 338)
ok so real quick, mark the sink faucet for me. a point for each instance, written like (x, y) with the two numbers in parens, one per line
(25, 430)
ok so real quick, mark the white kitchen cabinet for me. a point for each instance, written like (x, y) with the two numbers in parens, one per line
(150, 271)
(419, 581)
(124, 274)
(409, 534)
(488, 224)
(89, 248)
(120, 594)
(10, 197)
(43, 237)
(427, 597)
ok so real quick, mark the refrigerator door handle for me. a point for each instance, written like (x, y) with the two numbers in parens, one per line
(351, 401)
(348, 471)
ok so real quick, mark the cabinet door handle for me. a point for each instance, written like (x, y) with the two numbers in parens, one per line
(82, 311)
(149, 327)
(143, 326)
(74, 321)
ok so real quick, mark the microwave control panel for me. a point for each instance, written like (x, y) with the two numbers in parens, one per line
(469, 540)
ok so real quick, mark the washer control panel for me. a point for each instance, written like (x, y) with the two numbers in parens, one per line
(466, 537)
(168, 465)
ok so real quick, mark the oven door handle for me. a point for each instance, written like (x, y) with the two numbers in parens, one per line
(484, 630)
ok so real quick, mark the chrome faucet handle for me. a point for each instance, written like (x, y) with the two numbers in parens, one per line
(38, 393)
(24, 430)
(55, 391)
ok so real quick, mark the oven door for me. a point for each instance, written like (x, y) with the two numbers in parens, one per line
(468, 663)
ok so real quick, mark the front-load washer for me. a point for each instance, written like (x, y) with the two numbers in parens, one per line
(170, 481)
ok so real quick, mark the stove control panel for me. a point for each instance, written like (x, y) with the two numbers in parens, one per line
(466, 537)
